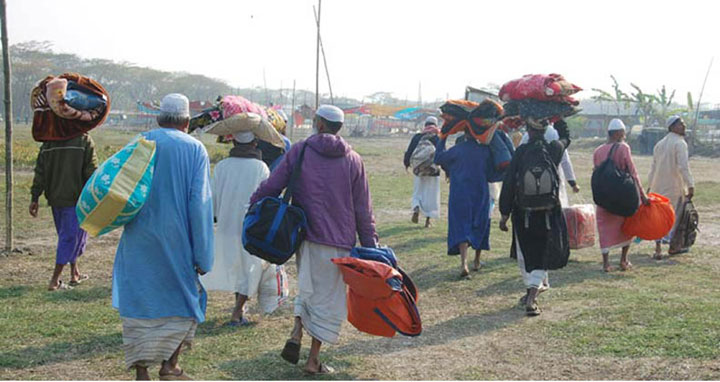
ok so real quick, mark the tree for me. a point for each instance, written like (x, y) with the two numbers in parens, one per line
(644, 104)
(618, 97)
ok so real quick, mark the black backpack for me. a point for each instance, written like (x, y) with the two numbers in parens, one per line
(538, 183)
(614, 189)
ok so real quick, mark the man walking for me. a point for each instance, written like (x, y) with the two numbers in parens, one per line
(426, 188)
(166, 247)
(333, 191)
(530, 192)
(670, 174)
(61, 171)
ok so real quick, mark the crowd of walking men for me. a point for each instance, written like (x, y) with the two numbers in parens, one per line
(172, 250)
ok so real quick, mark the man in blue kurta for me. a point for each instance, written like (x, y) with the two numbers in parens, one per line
(163, 250)
(469, 202)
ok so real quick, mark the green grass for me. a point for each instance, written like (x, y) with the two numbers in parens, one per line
(595, 325)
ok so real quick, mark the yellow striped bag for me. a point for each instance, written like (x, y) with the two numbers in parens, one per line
(118, 189)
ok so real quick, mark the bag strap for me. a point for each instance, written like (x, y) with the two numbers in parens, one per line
(294, 176)
(612, 151)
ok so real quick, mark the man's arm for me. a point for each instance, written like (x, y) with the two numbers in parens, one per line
(442, 156)
(362, 203)
(90, 161)
(38, 186)
(279, 177)
(681, 157)
(201, 215)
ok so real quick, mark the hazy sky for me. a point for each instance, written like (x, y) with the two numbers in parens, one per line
(386, 45)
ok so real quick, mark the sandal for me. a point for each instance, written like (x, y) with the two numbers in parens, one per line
(291, 351)
(608, 269)
(626, 266)
(61, 286)
(79, 280)
(322, 370)
(465, 275)
(657, 256)
(533, 310)
(243, 322)
(176, 377)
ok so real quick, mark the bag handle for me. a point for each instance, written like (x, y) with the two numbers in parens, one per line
(294, 176)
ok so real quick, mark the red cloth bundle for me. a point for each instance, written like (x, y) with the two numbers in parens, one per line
(551, 87)
(651, 222)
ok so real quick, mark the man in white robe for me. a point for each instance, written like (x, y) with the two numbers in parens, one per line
(670, 174)
(235, 180)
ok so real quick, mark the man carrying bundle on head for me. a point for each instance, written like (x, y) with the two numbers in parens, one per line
(530, 193)
(426, 187)
(333, 191)
(468, 163)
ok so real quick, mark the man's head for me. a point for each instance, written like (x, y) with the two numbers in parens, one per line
(431, 121)
(328, 119)
(536, 128)
(676, 124)
(244, 138)
(174, 112)
(616, 130)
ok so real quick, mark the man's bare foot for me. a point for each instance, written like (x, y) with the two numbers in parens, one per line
(428, 224)
(314, 367)
(465, 274)
(141, 374)
(658, 256)
(626, 266)
(608, 268)
(59, 286)
(477, 264)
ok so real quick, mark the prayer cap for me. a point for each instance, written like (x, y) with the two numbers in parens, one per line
(331, 113)
(616, 124)
(671, 119)
(244, 137)
(175, 104)
(431, 121)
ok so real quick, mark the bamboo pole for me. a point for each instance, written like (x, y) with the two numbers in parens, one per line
(8, 131)
(697, 109)
(322, 50)
(317, 59)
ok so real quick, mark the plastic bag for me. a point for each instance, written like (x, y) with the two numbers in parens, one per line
(651, 222)
(581, 225)
(274, 289)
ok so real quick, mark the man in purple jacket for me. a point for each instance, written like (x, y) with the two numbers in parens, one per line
(333, 191)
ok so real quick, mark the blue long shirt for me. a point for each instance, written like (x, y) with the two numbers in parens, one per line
(155, 265)
(469, 203)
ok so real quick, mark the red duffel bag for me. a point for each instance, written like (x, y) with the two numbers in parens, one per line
(581, 225)
(651, 222)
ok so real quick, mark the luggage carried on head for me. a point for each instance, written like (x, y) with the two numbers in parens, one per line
(67, 106)
(538, 187)
(614, 189)
(653, 221)
(273, 230)
(478, 118)
(422, 158)
(381, 297)
(551, 87)
(581, 225)
(118, 189)
(686, 228)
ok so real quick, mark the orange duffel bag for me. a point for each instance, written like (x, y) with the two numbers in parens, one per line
(651, 222)
(381, 299)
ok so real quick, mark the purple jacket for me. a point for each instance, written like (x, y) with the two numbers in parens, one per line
(332, 190)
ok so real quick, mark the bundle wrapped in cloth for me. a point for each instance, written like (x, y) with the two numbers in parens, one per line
(539, 110)
(581, 225)
(235, 114)
(118, 189)
(67, 106)
(478, 118)
(551, 87)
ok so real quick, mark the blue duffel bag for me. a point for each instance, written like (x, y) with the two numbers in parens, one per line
(273, 229)
(383, 255)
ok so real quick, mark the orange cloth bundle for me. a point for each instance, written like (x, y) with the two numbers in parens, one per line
(651, 222)
(477, 118)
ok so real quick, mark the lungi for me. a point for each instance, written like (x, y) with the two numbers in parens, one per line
(321, 302)
(71, 238)
(426, 195)
(150, 341)
(534, 279)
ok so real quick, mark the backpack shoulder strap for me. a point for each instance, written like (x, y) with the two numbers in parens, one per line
(294, 175)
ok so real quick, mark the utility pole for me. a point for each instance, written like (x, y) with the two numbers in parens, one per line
(292, 113)
(8, 132)
(317, 59)
(697, 109)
